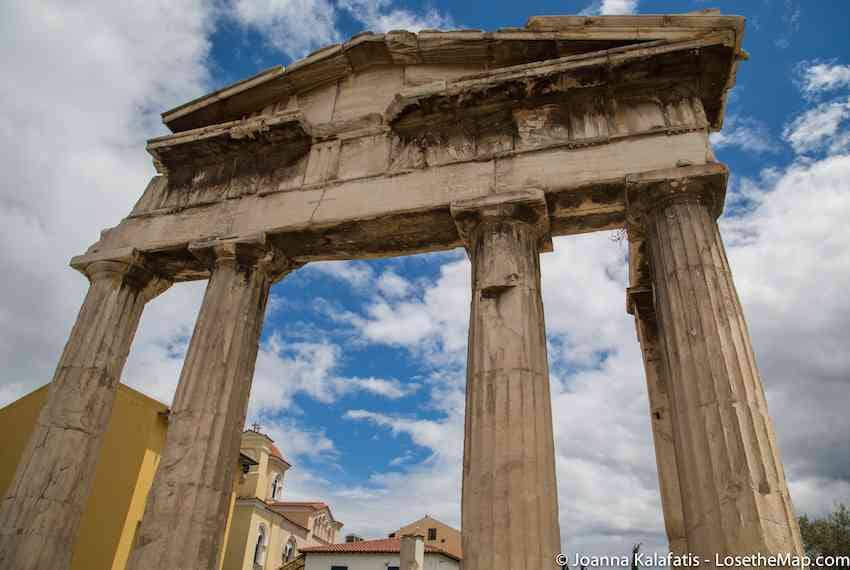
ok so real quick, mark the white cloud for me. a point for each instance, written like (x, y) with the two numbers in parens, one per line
(433, 323)
(294, 27)
(86, 83)
(816, 128)
(380, 16)
(355, 273)
(792, 269)
(817, 77)
(297, 442)
(298, 27)
(286, 369)
(610, 8)
(392, 284)
(745, 133)
(392, 388)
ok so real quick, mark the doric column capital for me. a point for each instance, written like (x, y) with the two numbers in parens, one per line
(127, 266)
(520, 206)
(254, 252)
(646, 193)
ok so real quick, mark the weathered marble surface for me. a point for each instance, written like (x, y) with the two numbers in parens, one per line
(186, 510)
(734, 493)
(510, 496)
(367, 164)
(661, 416)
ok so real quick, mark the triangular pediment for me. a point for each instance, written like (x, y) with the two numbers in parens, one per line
(372, 68)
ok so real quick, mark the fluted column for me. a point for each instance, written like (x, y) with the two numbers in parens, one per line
(186, 510)
(510, 500)
(734, 492)
(42, 508)
(661, 417)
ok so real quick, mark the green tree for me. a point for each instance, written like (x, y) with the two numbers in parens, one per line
(827, 536)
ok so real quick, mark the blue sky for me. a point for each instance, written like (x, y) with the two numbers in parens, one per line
(361, 371)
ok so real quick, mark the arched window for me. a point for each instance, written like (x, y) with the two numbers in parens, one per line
(260, 548)
(277, 487)
(290, 551)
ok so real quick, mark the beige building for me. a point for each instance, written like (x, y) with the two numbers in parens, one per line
(267, 531)
(437, 534)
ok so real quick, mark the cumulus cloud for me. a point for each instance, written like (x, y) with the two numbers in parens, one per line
(89, 81)
(297, 27)
(300, 442)
(610, 8)
(294, 27)
(431, 323)
(381, 16)
(792, 270)
(818, 77)
(816, 129)
(745, 133)
(392, 284)
(355, 273)
(285, 369)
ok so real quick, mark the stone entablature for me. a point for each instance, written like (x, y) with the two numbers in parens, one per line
(379, 181)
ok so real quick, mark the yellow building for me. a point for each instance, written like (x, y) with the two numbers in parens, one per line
(267, 531)
(131, 449)
(437, 534)
(262, 530)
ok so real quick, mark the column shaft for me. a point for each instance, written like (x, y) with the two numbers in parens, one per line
(734, 491)
(663, 426)
(41, 511)
(186, 510)
(510, 502)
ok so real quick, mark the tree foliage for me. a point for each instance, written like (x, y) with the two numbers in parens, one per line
(829, 535)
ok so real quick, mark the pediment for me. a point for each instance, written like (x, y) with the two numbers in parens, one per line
(374, 68)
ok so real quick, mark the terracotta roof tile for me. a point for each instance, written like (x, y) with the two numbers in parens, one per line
(315, 505)
(276, 453)
(381, 546)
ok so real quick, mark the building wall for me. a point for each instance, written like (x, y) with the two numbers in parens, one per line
(236, 554)
(258, 481)
(229, 524)
(128, 458)
(323, 561)
(246, 520)
(448, 538)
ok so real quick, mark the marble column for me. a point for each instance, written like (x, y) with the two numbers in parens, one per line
(186, 511)
(661, 417)
(41, 511)
(510, 499)
(734, 492)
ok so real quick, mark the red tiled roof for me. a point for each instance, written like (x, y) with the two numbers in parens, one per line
(315, 505)
(293, 521)
(276, 453)
(381, 546)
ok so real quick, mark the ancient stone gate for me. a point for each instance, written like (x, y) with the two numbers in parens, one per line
(400, 143)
